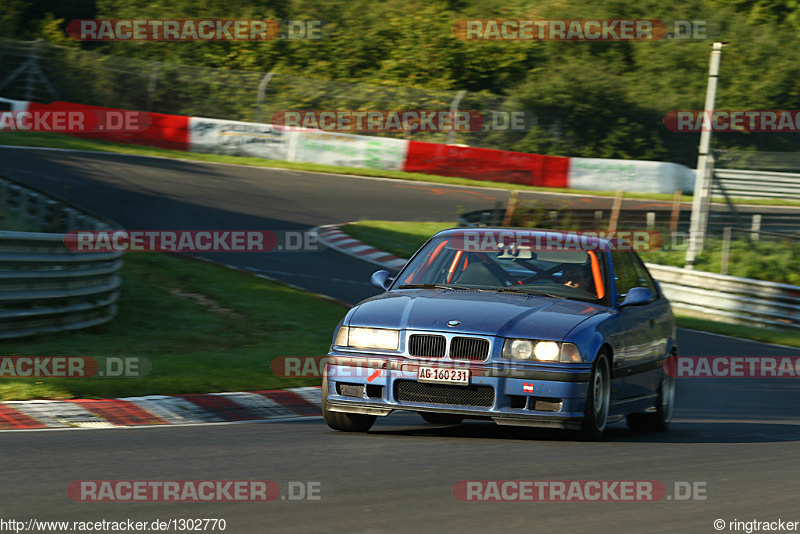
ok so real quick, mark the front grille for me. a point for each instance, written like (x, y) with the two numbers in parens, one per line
(426, 345)
(408, 391)
(544, 404)
(469, 348)
(517, 401)
(350, 390)
(374, 391)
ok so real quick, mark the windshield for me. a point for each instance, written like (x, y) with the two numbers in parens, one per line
(444, 262)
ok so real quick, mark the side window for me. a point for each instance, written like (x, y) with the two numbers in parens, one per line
(625, 276)
(643, 278)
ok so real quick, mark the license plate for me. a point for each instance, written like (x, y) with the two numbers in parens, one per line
(439, 375)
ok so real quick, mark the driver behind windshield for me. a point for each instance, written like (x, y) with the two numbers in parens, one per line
(579, 277)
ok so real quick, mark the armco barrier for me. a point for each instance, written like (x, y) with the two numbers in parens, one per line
(631, 176)
(43, 286)
(236, 138)
(165, 131)
(487, 164)
(756, 184)
(730, 298)
(197, 134)
(360, 151)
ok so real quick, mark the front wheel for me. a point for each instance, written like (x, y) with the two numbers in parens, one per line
(598, 400)
(346, 422)
(665, 405)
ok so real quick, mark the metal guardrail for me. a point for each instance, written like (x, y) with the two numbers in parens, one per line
(756, 184)
(730, 298)
(772, 225)
(44, 287)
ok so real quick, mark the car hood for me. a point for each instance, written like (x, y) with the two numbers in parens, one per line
(478, 312)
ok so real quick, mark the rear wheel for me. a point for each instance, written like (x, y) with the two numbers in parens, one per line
(598, 400)
(665, 405)
(442, 418)
(346, 422)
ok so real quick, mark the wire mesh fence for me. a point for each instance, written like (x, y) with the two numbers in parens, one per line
(38, 71)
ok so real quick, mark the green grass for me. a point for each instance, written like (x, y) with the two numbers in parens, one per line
(193, 346)
(11, 221)
(766, 335)
(773, 261)
(44, 139)
(399, 238)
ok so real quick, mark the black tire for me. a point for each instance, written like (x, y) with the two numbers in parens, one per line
(598, 400)
(665, 405)
(346, 422)
(442, 418)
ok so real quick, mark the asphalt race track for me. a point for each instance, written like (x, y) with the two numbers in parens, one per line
(736, 438)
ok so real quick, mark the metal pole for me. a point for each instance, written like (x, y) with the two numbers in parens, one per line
(29, 81)
(151, 85)
(705, 166)
(755, 227)
(726, 250)
(262, 88)
(451, 136)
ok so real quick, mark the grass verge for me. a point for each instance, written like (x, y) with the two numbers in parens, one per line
(404, 238)
(53, 140)
(399, 238)
(766, 335)
(203, 328)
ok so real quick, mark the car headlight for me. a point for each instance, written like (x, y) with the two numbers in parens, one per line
(518, 349)
(545, 351)
(368, 338)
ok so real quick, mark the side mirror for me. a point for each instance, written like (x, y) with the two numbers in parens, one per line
(381, 279)
(636, 297)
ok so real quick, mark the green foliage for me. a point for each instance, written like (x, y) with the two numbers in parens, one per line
(774, 261)
(598, 99)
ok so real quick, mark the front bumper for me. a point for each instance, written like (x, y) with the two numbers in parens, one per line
(511, 393)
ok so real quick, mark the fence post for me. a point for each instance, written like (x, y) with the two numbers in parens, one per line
(755, 228)
(451, 136)
(512, 205)
(675, 216)
(151, 85)
(615, 209)
(262, 88)
(726, 250)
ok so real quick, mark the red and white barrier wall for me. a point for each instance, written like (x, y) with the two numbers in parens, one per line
(196, 134)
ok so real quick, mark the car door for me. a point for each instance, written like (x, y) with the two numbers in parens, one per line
(644, 329)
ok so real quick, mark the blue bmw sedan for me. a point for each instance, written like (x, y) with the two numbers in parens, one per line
(519, 326)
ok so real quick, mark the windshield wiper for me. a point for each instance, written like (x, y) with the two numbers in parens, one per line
(528, 292)
(436, 286)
